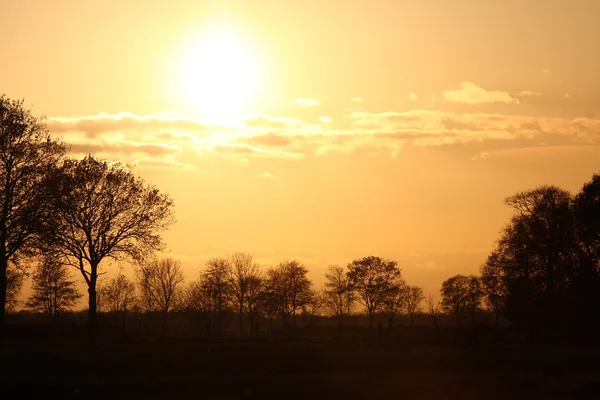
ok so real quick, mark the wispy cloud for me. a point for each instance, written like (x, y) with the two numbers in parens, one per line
(356, 99)
(412, 96)
(529, 93)
(269, 175)
(470, 93)
(306, 102)
(170, 141)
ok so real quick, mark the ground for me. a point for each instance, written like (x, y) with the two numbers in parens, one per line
(296, 368)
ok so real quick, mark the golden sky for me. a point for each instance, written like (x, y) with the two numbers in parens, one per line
(321, 130)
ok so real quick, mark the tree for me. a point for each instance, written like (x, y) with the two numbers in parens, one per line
(14, 283)
(117, 296)
(216, 282)
(395, 300)
(244, 273)
(53, 290)
(288, 289)
(338, 293)
(414, 298)
(373, 278)
(103, 211)
(312, 308)
(254, 298)
(160, 283)
(585, 289)
(432, 309)
(461, 294)
(530, 274)
(27, 152)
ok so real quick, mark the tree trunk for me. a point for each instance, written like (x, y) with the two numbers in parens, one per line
(92, 307)
(241, 311)
(3, 291)
(371, 317)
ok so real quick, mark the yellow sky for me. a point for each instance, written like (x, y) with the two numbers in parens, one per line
(392, 128)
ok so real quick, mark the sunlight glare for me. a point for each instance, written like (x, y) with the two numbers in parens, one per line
(220, 74)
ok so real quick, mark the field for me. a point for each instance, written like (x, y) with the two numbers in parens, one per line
(398, 366)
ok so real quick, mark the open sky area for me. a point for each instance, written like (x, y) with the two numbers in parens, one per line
(322, 130)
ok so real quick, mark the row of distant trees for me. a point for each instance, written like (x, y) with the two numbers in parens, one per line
(58, 210)
(238, 285)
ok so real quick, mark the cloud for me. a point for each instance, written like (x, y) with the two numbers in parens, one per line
(529, 93)
(103, 122)
(265, 121)
(269, 139)
(269, 175)
(412, 96)
(470, 93)
(164, 141)
(546, 71)
(356, 99)
(306, 102)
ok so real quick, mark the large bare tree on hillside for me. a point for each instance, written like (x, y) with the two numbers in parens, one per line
(103, 211)
(27, 152)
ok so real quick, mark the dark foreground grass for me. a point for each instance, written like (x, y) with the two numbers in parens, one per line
(296, 368)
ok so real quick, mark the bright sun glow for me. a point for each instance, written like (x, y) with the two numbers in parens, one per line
(220, 75)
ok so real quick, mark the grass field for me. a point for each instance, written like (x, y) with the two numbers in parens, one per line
(296, 368)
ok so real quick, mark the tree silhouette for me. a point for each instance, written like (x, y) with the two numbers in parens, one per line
(216, 284)
(27, 152)
(531, 270)
(414, 298)
(338, 293)
(288, 289)
(14, 283)
(432, 309)
(585, 290)
(160, 285)
(53, 290)
(373, 279)
(103, 211)
(395, 300)
(159, 282)
(244, 273)
(461, 294)
(117, 296)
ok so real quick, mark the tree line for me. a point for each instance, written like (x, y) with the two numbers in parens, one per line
(61, 214)
(237, 285)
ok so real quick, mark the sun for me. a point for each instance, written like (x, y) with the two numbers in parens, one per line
(220, 75)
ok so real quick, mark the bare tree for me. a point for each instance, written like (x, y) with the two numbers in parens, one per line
(461, 294)
(117, 296)
(103, 211)
(373, 278)
(254, 297)
(395, 300)
(27, 152)
(243, 271)
(432, 309)
(160, 282)
(288, 289)
(338, 293)
(414, 298)
(53, 290)
(216, 283)
(14, 283)
(314, 305)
